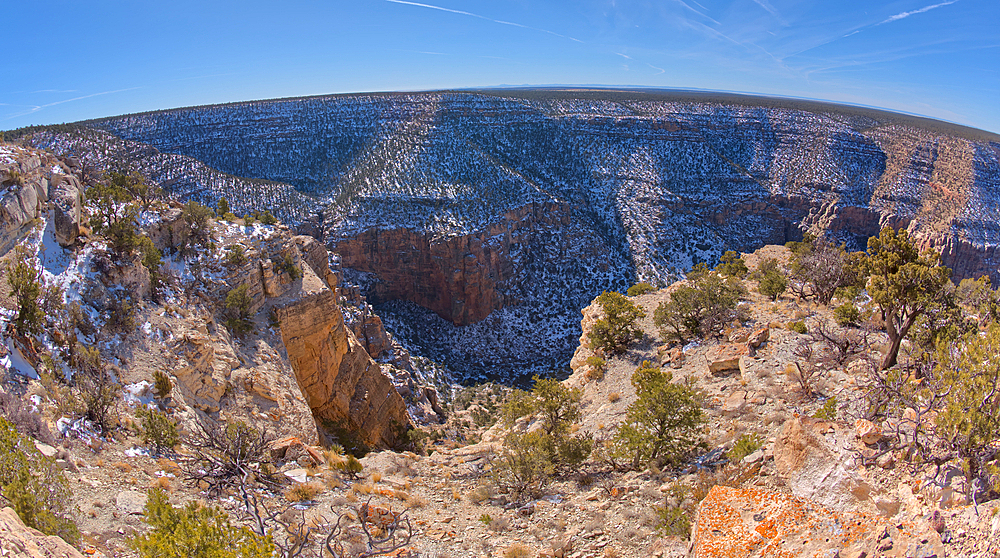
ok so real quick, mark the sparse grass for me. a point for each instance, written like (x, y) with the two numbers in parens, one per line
(499, 524)
(478, 495)
(376, 477)
(614, 396)
(413, 501)
(362, 488)
(744, 446)
(162, 483)
(299, 492)
(122, 466)
(518, 550)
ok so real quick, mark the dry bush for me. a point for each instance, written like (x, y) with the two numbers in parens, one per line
(614, 396)
(299, 492)
(478, 495)
(518, 550)
(499, 524)
(162, 483)
(362, 488)
(376, 476)
(122, 466)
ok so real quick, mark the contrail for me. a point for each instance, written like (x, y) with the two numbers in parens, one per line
(470, 14)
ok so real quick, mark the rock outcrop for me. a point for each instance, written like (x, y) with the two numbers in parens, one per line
(809, 455)
(344, 387)
(17, 539)
(755, 523)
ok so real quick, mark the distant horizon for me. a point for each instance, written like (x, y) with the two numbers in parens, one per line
(569, 88)
(933, 59)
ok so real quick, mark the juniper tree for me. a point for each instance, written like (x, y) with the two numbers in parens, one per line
(617, 329)
(903, 283)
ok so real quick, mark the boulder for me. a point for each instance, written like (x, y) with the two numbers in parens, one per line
(343, 386)
(66, 194)
(867, 431)
(724, 360)
(759, 337)
(754, 523)
(816, 466)
(17, 539)
(757, 523)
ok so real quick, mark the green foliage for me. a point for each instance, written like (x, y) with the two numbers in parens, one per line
(350, 465)
(744, 446)
(287, 265)
(819, 267)
(34, 486)
(267, 219)
(969, 373)
(640, 288)
(701, 308)
(530, 458)
(97, 387)
(197, 218)
(222, 207)
(525, 465)
(195, 532)
(663, 425)
(846, 314)
(25, 286)
(161, 384)
(829, 409)
(248, 220)
(152, 260)
(597, 368)
(617, 329)
(158, 430)
(903, 284)
(115, 213)
(236, 255)
(238, 305)
(771, 282)
(731, 264)
(978, 297)
(798, 327)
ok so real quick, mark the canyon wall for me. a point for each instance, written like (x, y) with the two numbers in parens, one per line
(504, 212)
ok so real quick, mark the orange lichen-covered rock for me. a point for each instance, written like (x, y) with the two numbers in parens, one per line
(745, 523)
(725, 359)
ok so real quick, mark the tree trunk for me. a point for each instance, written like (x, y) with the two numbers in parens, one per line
(890, 357)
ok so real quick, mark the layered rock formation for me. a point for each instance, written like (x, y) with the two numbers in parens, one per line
(344, 387)
(518, 207)
(17, 539)
(30, 179)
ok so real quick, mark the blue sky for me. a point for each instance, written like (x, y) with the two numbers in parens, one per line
(68, 61)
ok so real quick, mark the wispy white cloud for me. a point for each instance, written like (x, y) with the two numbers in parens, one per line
(767, 6)
(470, 14)
(660, 70)
(688, 6)
(35, 108)
(624, 55)
(903, 15)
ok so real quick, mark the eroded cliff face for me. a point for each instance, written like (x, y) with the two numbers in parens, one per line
(345, 388)
(464, 278)
(33, 183)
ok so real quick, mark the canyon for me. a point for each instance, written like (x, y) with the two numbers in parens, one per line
(479, 223)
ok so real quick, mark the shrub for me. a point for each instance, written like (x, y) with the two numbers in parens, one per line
(158, 431)
(98, 389)
(238, 317)
(819, 267)
(236, 255)
(597, 368)
(195, 532)
(222, 207)
(744, 446)
(517, 550)
(969, 423)
(798, 327)
(700, 308)
(731, 264)
(663, 425)
(303, 492)
(846, 314)
(829, 409)
(350, 465)
(286, 265)
(617, 329)
(771, 282)
(225, 455)
(248, 220)
(162, 384)
(34, 486)
(25, 286)
(529, 459)
(267, 219)
(640, 288)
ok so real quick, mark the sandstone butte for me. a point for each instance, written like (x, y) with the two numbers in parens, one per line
(758, 523)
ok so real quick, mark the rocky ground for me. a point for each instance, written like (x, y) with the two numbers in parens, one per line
(807, 472)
